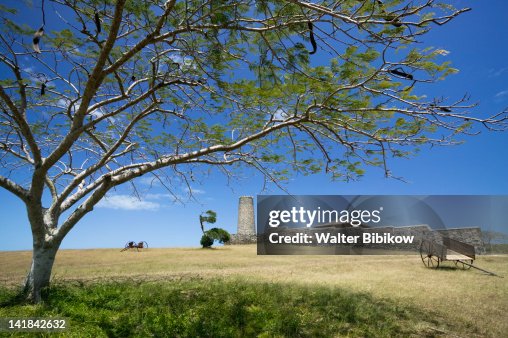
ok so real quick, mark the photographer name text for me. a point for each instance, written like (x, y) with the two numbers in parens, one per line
(338, 238)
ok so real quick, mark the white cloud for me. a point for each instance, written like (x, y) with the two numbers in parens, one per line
(194, 191)
(64, 103)
(33, 76)
(502, 94)
(158, 196)
(149, 180)
(96, 113)
(185, 62)
(127, 202)
(497, 72)
(197, 191)
(280, 114)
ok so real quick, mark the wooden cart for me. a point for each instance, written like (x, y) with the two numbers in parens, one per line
(432, 253)
(462, 254)
(134, 245)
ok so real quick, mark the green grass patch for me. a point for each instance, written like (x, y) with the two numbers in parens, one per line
(220, 308)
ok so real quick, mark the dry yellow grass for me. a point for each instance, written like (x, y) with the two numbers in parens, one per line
(469, 298)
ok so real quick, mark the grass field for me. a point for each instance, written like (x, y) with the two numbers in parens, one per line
(408, 298)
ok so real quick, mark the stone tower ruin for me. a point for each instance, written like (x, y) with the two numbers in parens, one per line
(246, 225)
(246, 228)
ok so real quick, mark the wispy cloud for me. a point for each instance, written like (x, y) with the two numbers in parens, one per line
(33, 76)
(502, 94)
(127, 202)
(198, 191)
(194, 191)
(497, 72)
(149, 180)
(96, 113)
(152, 181)
(280, 114)
(65, 103)
(159, 196)
(185, 62)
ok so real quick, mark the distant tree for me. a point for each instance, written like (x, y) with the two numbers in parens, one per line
(104, 91)
(214, 234)
(209, 216)
(206, 241)
(493, 237)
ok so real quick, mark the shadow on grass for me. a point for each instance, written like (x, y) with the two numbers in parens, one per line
(12, 297)
(223, 308)
(447, 268)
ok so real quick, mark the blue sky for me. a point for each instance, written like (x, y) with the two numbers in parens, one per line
(478, 45)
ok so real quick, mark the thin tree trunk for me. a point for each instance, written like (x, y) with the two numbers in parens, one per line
(38, 278)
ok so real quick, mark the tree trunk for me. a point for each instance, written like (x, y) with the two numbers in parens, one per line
(43, 257)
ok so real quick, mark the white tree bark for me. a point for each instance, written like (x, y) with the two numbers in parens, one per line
(39, 275)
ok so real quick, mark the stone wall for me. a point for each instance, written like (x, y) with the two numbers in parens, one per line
(242, 239)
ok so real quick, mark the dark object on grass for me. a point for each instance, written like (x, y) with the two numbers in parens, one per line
(312, 39)
(133, 245)
(400, 72)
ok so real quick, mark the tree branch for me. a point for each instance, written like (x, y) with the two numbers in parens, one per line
(14, 188)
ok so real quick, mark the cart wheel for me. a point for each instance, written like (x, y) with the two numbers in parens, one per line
(460, 264)
(426, 253)
(127, 246)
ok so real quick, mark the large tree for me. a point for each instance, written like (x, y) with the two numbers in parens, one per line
(108, 90)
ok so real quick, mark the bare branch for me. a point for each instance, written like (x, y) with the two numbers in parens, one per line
(14, 188)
